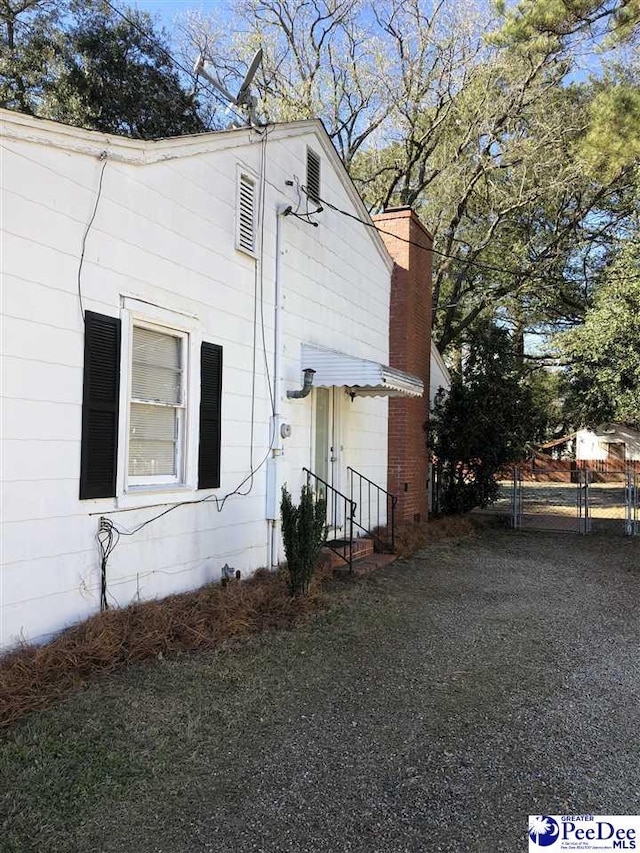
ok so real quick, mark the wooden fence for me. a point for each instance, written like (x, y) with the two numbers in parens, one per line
(541, 468)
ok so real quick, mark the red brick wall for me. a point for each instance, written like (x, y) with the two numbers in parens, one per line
(409, 350)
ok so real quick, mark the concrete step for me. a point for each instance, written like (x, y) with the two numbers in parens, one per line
(362, 549)
(372, 563)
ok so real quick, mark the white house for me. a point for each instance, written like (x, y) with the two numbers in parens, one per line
(160, 300)
(611, 443)
(439, 375)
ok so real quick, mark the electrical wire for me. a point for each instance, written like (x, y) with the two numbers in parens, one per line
(194, 78)
(108, 532)
(103, 157)
(107, 537)
(150, 38)
(303, 217)
(306, 217)
(261, 215)
(455, 258)
(217, 501)
(146, 35)
(258, 306)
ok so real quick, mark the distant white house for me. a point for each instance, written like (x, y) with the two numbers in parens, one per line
(439, 376)
(161, 299)
(613, 443)
(610, 442)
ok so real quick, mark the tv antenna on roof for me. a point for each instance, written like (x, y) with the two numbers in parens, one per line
(244, 99)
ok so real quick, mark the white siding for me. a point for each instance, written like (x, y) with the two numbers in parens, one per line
(594, 444)
(439, 376)
(164, 233)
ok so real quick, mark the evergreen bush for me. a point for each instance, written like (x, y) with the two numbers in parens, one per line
(303, 533)
(484, 423)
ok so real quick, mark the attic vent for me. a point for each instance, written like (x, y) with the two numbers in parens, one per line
(246, 235)
(313, 176)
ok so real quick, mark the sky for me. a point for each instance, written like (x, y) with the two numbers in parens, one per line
(168, 9)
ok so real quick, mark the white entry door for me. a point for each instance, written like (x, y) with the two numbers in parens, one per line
(326, 450)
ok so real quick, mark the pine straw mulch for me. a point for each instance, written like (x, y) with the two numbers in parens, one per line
(412, 536)
(34, 677)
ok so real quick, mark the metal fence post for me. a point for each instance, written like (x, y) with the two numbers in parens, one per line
(516, 499)
(632, 503)
(584, 512)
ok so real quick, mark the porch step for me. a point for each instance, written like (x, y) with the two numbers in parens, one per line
(366, 565)
(362, 549)
(372, 563)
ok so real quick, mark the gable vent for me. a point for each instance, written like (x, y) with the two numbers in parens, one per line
(313, 176)
(246, 214)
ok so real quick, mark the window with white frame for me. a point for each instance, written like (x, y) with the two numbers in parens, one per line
(157, 405)
(142, 379)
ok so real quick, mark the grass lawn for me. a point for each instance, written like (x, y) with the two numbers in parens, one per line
(106, 768)
(485, 679)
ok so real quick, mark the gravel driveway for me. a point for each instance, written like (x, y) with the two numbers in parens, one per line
(438, 704)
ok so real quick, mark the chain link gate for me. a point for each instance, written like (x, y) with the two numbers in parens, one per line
(516, 499)
(632, 503)
(583, 510)
(584, 500)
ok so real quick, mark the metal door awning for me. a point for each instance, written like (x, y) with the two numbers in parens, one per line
(359, 376)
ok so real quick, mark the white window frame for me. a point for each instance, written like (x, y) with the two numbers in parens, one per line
(180, 408)
(243, 172)
(147, 491)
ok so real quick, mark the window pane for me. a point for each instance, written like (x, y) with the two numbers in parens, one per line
(156, 371)
(153, 441)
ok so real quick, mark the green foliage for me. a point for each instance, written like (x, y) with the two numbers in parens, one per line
(29, 44)
(535, 21)
(303, 534)
(519, 163)
(603, 377)
(548, 417)
(484, 423)
(91, 68)
(613, 139)
(502, 145)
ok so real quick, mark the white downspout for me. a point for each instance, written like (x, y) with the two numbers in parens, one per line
(273, 475)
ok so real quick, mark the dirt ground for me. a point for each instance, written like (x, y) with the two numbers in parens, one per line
(553, 506)
(433, 707)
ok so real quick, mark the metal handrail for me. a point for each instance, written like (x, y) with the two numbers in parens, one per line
(336, 500)
(390, 502)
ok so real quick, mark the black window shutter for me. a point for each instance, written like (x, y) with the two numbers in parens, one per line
(100, 397)
(210, 416)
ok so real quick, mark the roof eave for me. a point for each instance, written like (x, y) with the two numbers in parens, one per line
(16, 125)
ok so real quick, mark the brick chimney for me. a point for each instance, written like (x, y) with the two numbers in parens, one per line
(409, 350)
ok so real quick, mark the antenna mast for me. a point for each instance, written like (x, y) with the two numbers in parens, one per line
(244, 99)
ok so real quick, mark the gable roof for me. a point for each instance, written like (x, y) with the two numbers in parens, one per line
(16, 125)
(557, 441)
